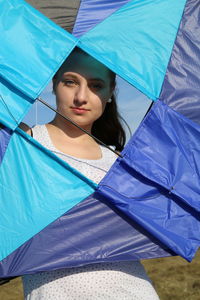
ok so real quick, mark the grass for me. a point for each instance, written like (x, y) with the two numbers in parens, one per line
(173, 278)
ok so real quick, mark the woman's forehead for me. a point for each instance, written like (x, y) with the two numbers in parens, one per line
(85, 65)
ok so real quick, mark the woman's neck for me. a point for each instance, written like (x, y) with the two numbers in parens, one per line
(71, 140)
(69, 129)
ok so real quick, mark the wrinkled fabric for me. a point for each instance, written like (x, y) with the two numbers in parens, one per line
(91, 232)
(156, 183)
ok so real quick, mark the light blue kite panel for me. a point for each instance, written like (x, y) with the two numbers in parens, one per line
(136, 41)
(34, 190)
(32, 48)
(13, 105)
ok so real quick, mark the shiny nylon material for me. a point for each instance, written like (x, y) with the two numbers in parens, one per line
(13, 104)
(156, 183)
(182, 81)
(93, 12)
(77, 16)
(36, 186)
(133, 37)
(39, 48)
(91, 232)
(160, 203)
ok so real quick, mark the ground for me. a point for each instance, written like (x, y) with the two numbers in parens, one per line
(173, 278)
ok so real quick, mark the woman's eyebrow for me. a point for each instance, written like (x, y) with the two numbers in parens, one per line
(70, 75)
(66, 74)
(97, 79)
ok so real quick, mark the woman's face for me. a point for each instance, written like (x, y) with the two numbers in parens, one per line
(83, 87)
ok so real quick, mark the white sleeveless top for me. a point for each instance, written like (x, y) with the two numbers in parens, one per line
(102, 281)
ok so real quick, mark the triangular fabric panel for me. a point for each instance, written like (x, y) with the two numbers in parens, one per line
(156, 183)
(93, 12)
(36, 188)
(91, 232)
(39, 48)
(182, 82)
(133, 37)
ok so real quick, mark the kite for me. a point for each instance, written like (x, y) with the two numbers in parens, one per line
(147, 205)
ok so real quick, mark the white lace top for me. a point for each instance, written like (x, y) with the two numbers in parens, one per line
(105, 281)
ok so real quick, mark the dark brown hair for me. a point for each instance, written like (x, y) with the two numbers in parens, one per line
(108, 127)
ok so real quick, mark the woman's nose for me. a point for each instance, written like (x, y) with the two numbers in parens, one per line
(81, 94)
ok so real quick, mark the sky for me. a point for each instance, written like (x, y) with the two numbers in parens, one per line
(132, 105)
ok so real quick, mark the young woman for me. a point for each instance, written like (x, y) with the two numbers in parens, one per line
(84, 92)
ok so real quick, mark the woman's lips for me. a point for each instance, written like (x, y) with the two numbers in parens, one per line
(79, 110)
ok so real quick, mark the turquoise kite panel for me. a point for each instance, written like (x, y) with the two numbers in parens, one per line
(13, 105)
(32, 49)
(34, 190)
(136, 41)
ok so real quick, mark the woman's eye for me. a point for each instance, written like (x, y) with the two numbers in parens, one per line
(69, 82)
(96, 86)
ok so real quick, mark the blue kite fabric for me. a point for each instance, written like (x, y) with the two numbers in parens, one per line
(138, 45)
(156, 183)
(93, 12)
(36, 188)
(90, 232)
(147, 205)
(33, 49)
(182, 81)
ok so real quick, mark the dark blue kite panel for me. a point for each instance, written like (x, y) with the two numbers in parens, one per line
(156, 183)
(93, 12)
(91, 232)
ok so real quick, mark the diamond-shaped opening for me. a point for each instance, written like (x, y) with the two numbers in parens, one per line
(132, 105)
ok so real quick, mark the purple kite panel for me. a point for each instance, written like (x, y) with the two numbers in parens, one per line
(91, 232)
(93, 12)
(182, 81)
(156, 183)
(5, 135)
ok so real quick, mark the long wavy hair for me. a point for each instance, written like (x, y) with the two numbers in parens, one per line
(108, 127)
